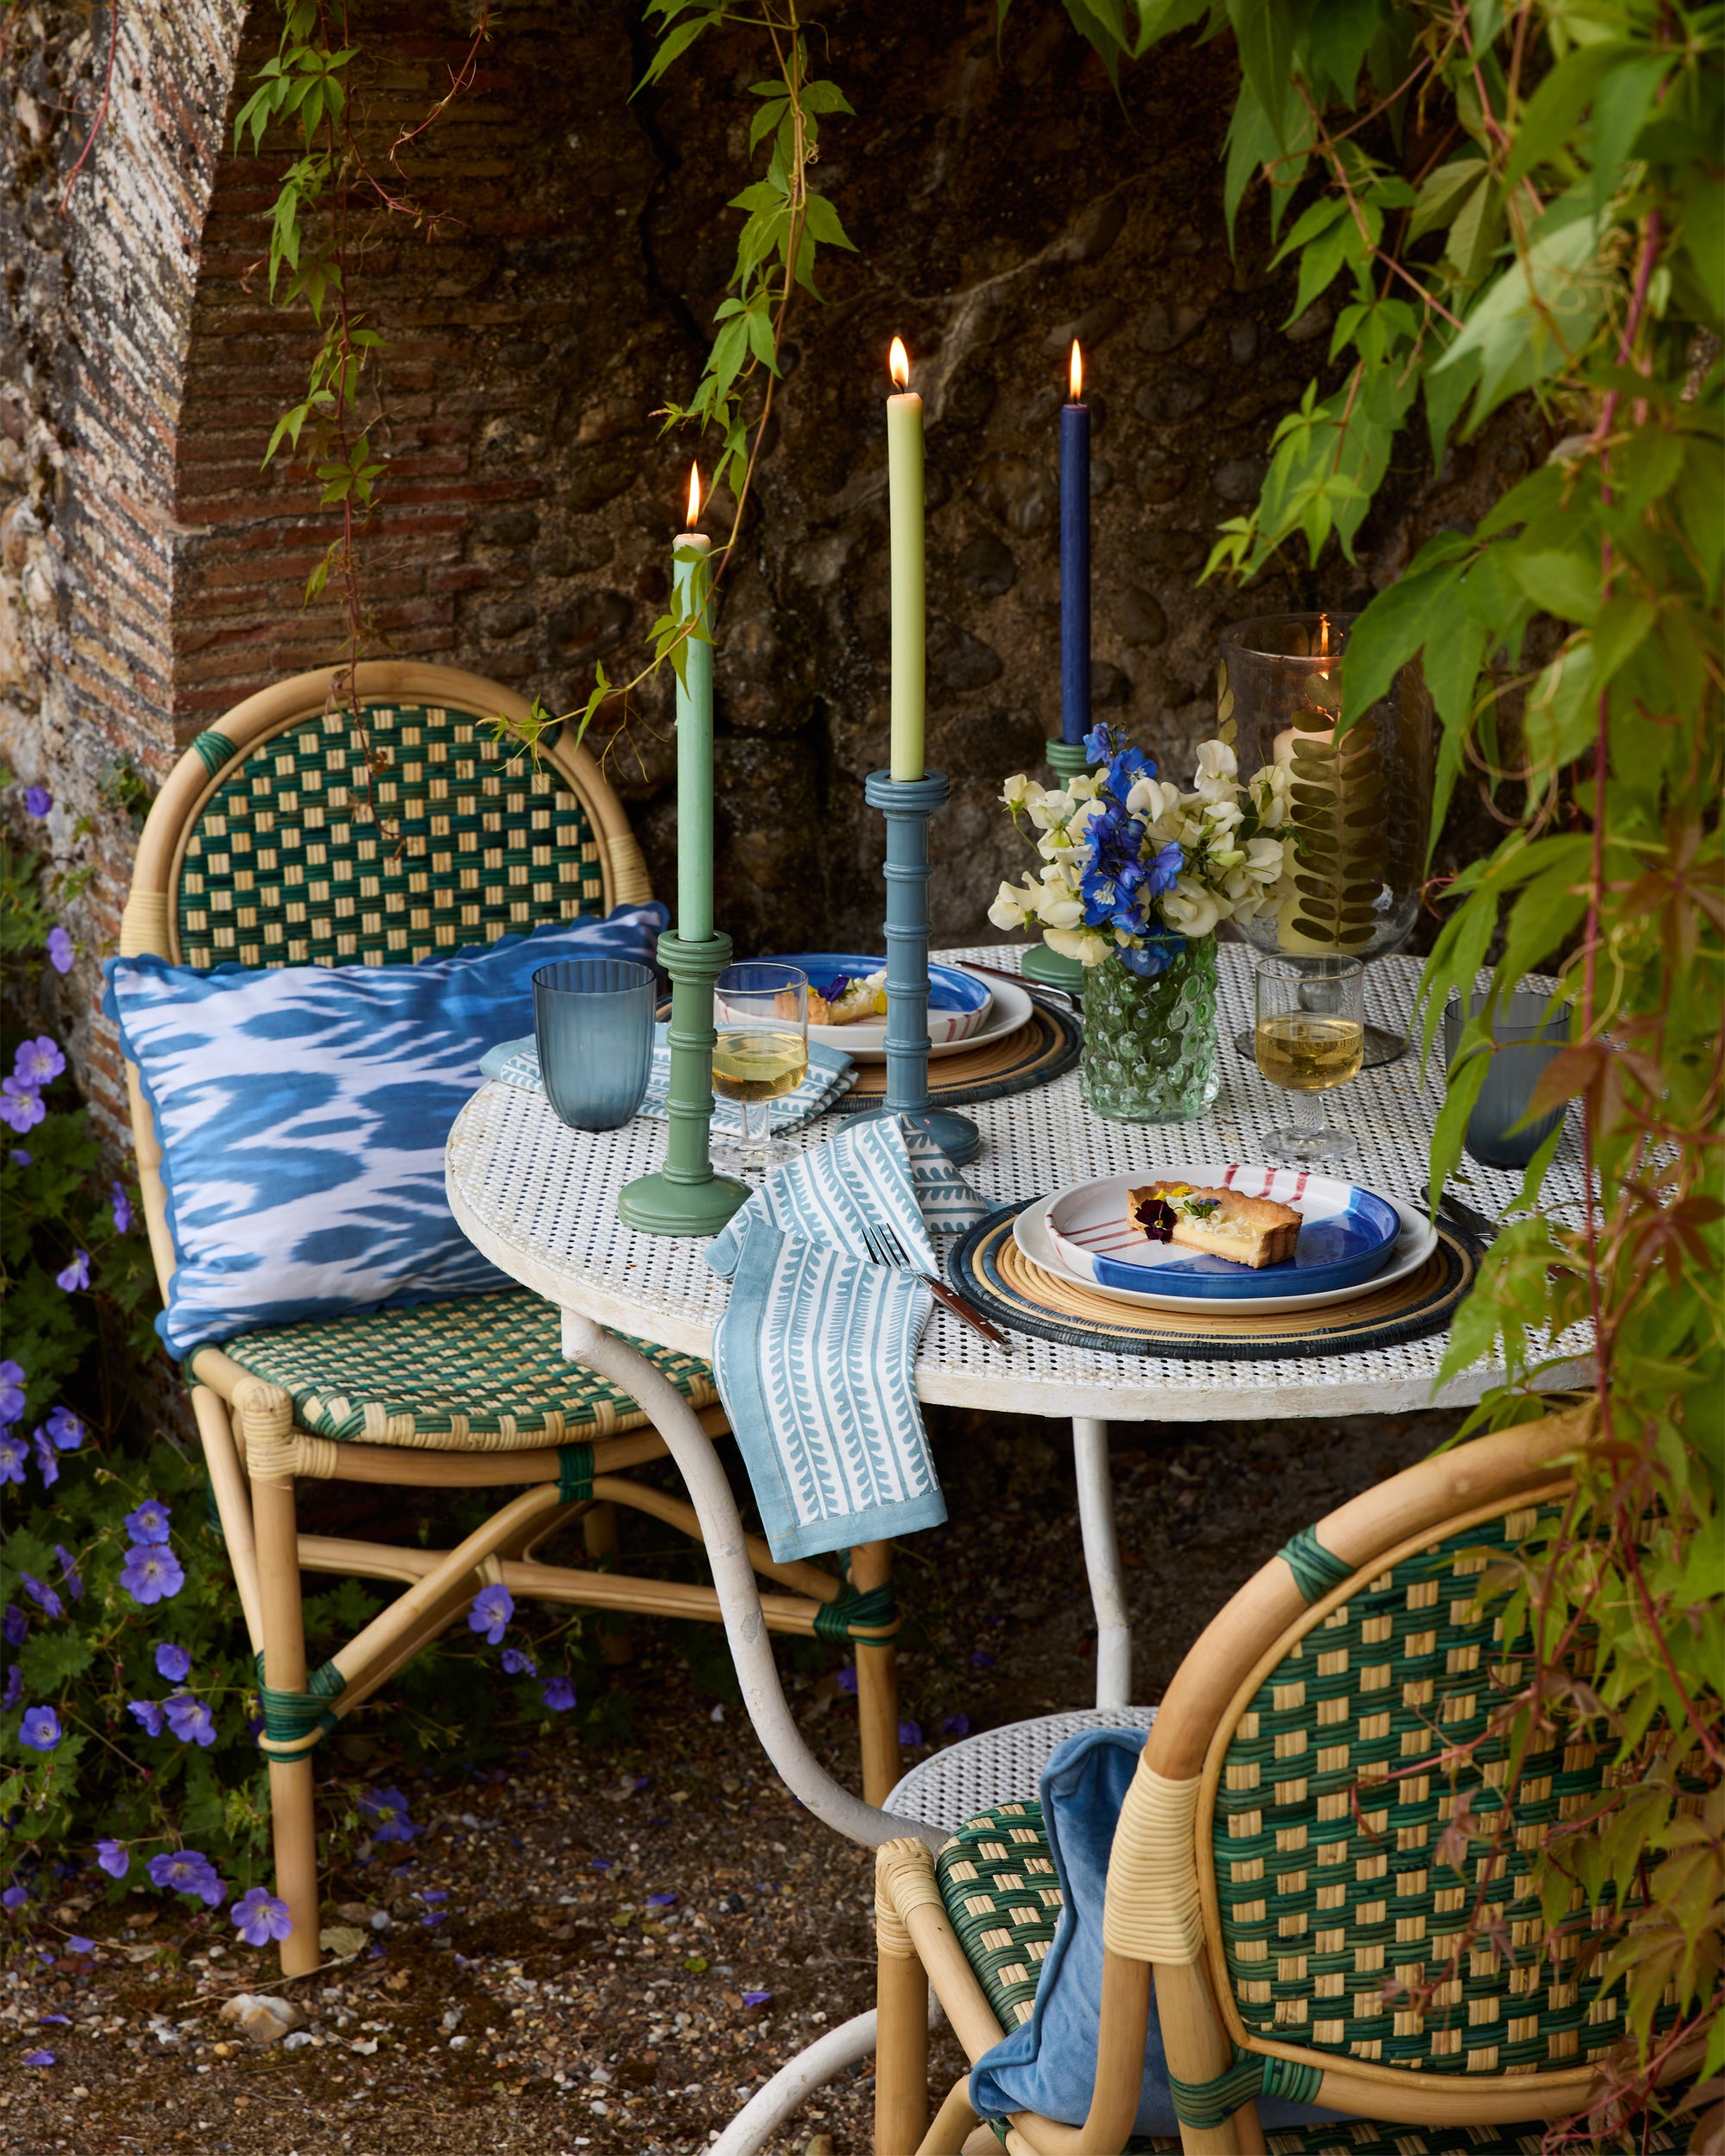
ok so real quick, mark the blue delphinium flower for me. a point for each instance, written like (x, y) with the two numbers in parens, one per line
(389, 1808)
(149, 1523)
(259, 1917)
(113, 1858)
(1099, 743)
(559, 1694)
(493, 1608)
(187, 1871)
(173, 1662)
(148, 1712)
(1164, 867)
(190, 1719)
(40, 1728)
(61, 949)
(151, 1574)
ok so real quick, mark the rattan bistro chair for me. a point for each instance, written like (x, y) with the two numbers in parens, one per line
(1276, 1867)
(267, 846)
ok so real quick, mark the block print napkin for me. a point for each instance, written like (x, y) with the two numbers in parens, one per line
(830, 1075)
(815, 1355)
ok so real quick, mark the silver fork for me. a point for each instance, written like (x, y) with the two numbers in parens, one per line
(887, 1249)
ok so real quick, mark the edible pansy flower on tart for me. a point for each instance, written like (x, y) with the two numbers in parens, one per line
(1222, 1223)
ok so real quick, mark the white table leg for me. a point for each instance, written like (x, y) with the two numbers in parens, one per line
(1103, 1561)
(727, 1552)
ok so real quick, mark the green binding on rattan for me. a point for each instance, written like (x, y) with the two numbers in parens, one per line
(576, 1473)
(212, 750)
(842, 1619)
(1316, 1572)
(1213, 2103)
(290, 1717)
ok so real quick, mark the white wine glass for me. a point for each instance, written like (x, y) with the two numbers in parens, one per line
(1309, 1038)
(760, 1012)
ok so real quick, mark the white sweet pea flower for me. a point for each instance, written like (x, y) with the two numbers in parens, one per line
(1085, 787)
(1082, 813)
(1061, 913)
(1013, 906)
(1224, 816)
(1189, 909)
(1265, 859)
(1088, 945)
(1019, 792)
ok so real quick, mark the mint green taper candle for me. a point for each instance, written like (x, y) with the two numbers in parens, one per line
(690, 569)
(910, 594)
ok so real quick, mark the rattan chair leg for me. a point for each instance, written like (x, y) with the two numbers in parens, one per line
(800, 1577)
(233, 1504)
(877, 1683)
(599, 1527)
(900, 2055)
(953, 2123)
(268, 1416)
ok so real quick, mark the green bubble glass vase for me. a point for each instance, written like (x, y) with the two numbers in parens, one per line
(1149, 1046)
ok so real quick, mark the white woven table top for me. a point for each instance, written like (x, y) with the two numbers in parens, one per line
(541, 1201)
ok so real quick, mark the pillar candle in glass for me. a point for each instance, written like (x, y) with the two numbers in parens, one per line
(1075, 559)
(910, 600)
(690, 572)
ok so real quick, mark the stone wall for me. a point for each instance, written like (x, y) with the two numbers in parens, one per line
(1002, 197)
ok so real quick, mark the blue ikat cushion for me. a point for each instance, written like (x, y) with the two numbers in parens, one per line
(302, 1112)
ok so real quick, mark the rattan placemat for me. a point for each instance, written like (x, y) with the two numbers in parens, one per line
(988, 1266)
(1043, 1048)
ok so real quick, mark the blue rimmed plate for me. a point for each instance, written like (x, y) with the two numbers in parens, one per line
(964, 1010)
(1348, 1236)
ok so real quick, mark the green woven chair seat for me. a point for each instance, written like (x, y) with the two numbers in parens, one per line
(475, 1374)
(997, 1880)
(304, 857)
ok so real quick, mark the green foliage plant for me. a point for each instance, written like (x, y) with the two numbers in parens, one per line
(1524, 200)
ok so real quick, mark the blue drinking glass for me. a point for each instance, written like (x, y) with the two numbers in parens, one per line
(594, 1020)
(1526, 1033)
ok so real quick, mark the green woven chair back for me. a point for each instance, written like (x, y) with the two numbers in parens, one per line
(1348, 1860)
(303, 854)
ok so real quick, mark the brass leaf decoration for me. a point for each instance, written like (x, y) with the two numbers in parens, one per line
(1226, 727)
(1341, 844)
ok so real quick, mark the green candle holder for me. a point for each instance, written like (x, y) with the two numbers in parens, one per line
(1067, 760)
(685, 1197)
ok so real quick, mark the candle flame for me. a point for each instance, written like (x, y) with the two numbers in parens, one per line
(899, 363)
(1078, 371)
(694, 495)
(1323, 636)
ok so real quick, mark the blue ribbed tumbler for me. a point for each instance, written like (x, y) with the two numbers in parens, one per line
(593, 1021)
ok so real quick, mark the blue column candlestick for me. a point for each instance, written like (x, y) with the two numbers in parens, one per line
(907, 805)
(1074, 563)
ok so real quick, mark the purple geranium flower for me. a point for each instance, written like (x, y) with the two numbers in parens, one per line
(78, 1944)
(909, 1733)
(14, 1898)
(114, 1858)
(259, 1917)
(493, 1608)
(37, 800)
(756, 1998)
(21, 1109)
(149, 1522)
(68, 1565)
(190, 1719)
(517, 1663)
(389, 1808)
(61, 949)
(65, 1428)
(122, 1210)
(847, 1679)
(20, 1158)
(956, 1725)
(40, 1728)
(660, 1900)
(75, 1274)
(13, 1690)
(15, 1626)
(39, 2059)
(41, 1595)
(38, 1063)
(981, 1660)
(559, 1694)
(14, 1453)
(11, 1391)
(47, 1460)
(148, 1712)
(151, 1574)
(187, 1871)
(172, 1662)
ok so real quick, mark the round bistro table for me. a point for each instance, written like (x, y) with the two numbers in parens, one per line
(541, 1201)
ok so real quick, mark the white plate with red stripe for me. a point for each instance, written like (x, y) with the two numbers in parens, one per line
(1353, 1241)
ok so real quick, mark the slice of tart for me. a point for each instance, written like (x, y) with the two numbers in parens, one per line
(1254, 1232)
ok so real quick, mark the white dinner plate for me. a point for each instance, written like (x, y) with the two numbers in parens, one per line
(1010, 1008)
(1415, 1244)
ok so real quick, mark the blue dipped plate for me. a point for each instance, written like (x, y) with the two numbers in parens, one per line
(1348, 1235)
(963, 1011)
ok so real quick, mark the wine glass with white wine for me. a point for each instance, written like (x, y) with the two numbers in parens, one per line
(761, 1015)
(1310, 1037)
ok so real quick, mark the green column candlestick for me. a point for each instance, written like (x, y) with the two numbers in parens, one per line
(685, 1197)
(1067, 760)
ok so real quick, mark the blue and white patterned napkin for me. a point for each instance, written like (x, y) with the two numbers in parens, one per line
(815, 1355)
(830, 1075)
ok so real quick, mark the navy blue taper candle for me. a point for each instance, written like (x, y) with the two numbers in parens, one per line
(1075, 561)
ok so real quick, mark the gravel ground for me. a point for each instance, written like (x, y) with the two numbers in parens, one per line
(521, 1983)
